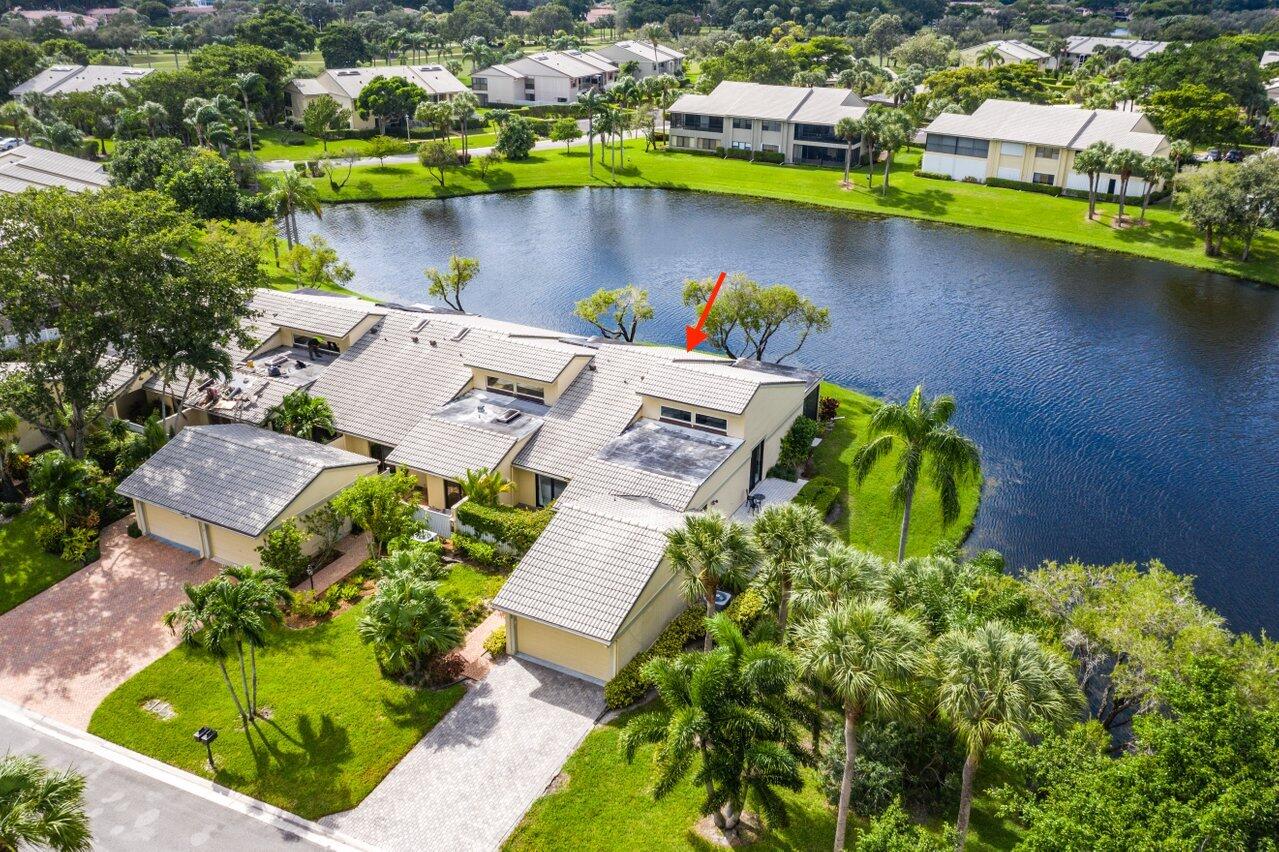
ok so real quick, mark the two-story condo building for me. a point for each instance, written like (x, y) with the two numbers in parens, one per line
(552, 77)
(1079, 48)
(1034, 143)
(650, 59)
(64, 79)
(345, 84)
(795, 121)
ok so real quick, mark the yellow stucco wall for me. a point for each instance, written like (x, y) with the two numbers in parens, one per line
(658, 604)
(170, 526)
(559, 647)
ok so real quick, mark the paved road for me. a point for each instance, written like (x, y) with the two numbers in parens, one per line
(467, 784)
(135, 803)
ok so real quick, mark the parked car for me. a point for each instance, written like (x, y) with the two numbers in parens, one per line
(1234, 155)
(9, 143)
(1214, 155)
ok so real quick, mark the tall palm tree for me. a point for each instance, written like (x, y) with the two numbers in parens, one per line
(990, 56)
(1125, 163)
(303, 416)
(784, 535)
(1155, 170)
(922, 429)
(833, 572)
(708, 553)
(867, 655)
(850, 130)
(731, 708)
(1092, 161)
(153, 115)
(248, 83)
(626, 94)
(462, 108)
(291, 193)
(895, 131)
(592, 101)
(992, 681)
(273, 585)
(40, 808)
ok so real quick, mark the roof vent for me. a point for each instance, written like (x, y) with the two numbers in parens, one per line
(419, 325)
(510, 415)
(461, 332)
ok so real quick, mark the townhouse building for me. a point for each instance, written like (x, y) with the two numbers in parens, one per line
(550, 77)
(345, 84)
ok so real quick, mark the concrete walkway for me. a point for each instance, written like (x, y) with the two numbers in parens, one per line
(468, 783)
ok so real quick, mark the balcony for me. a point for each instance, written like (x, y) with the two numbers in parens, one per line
(816, 133)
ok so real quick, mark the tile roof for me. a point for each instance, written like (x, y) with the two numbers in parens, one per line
(29, 167)
(1270, 57)
(233, 476)
(1057, 126)
(645, 50)
(61, 79)
(541, 360)
(325, 316)
(1018, 50)
(817, 105)
(349, 82)
(571, 64)
(718, 385)
(588, 569)
(1137, 48)
(475, 431)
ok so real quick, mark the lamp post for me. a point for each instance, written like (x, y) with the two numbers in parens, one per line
(207, 735)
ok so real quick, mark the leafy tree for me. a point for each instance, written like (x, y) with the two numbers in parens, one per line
(378, 504)
(868, 656)
(304, 416)
(19, 62)
(748, 315)
(486, 19)
(389, 99)
(515, 138)
(884, 34)
(924, 432)
(343, 46)
(205, 185)
(566, 130)
(730, 707)
(40, 808)
(1092, 161)
(448, 285)
(1196, 113)
(784, 535)
(276, 28)
(325, 525)
(318, 264)
(381, 147)
(437, 114)
(1211, 201)
(755, 60)
(408, 624)
(547, 20)
(485, 487)
(1218, 66)
(926, 49)
(970, 86)
(281, 552)
(9, 452)
(66, 273)
(708, 553)
(616, 313)
(138, 163)
(992, 682)
(437, 157)
(218, 65)
(894, 831)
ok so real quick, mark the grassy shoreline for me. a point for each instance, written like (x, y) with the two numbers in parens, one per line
(1165, 237)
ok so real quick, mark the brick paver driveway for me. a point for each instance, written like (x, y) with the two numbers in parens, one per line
(64, 650)
(470, 780)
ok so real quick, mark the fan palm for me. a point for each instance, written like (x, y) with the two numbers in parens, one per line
(992, 681)
(1125, 162)
(833, 572)
(292, 193)
(153, 115)
(784, 534)
(867, 655)
(1092, 161)
(40, 808)
(303, 415)
(408, 624)
(1155, 170)
(710, 552)
(922, 428)
(850, 130)
(730, 708)
(462, 107)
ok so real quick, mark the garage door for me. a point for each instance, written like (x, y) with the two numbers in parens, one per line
(232, 548)
(172, 528)
(562, 649)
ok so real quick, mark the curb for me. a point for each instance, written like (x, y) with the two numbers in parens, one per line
(277, 818)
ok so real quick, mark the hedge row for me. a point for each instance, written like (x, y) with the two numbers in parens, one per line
(1026, 186)
(515, 527)
(774, 157)
(920, 173)
(820, 493)
(629, 685)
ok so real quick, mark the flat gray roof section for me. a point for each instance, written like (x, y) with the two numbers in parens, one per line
(233, 476)
(678, 452)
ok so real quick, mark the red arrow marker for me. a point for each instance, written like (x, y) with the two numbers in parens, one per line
(693, 334)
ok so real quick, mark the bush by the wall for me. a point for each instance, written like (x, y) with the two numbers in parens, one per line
(920, 173)
(515, 527)
(1024, 186)
(481, 552)
(820, 493)
(774, 157)
(495, 643)
(80, 546)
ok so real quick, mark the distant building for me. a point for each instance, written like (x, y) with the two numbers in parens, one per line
(794, 121)
(29, 167)
(650, 59)
(1034, 143)
(345, 84)
(60, 79)
(552, 77)
(1010, 51)
(598, 13)
(68, 20)
(1270, 57)
(1079, 48)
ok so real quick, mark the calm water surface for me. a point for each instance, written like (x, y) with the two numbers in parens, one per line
(1126, 409)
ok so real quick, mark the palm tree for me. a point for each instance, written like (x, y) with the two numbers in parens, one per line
(592, 101)
(710, 552)
(992, 681)
(990, 56)
(291, 193)
(1125, 162)
(895, 131)
(485, 487)
(463, 108)
(872, 127)
(850, 130)
(247, 83)
(730, 707)
(867, 655)
(152, 114)
(1180, 152)
(626, 95)
(68, 488)
(199, 625)
(408, 624)
(1092, 161)
(273, 585)
(1155, 170)
(784, 535)
(40, 808)
(922, 427)
(9, 450)
(303, 416)
(833, 572)
(16, 115)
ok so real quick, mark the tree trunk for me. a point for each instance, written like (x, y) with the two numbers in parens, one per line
(708, 590)
(1092, 196)
(716, 813)
(905, 532)
(239, 708)
(846, 782)
(848, 161)
(244, 680)
(870, 167)
(1123, 195)
(888, 163)
(1145, 202)
(1208, 244)
(253, 663)
(965, 801)
(590, 141)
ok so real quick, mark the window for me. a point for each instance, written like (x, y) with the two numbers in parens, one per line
(712, 424)
(770, 126)
(1012, 149)
(480, 84)
(742, 146)
(959, 145)
(681, 142)
(1041, 178)
(771, 148)
(817, 133)
(741, 124)
(688, 121)
(1047, 153)
(548, 489)
(452, 494)
(677, 415)
(536, 393)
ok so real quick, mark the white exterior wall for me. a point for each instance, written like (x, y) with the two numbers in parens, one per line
(955, 166)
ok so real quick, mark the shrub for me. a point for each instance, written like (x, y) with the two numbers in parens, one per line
(970, 179)
(49, 536)
(79, 544)
(310, 604)
(1025, 186)
(774, 157)
(515, 138)
(480, 552)
(827, 409)
(495, 643)
(282, 551)
(920, 173)
(797, 446)
(10, 510)
(820, 493)
(135, 531)
(514, 527)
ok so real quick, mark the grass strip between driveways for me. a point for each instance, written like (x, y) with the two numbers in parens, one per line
(25, 569)
(1165, 237)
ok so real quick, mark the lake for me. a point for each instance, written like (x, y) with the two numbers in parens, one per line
(1126, 409)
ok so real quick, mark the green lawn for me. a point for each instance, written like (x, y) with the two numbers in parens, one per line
(273, 143)
(337, 727)
(1166, 237)
(470, 584)
(605, 805)
(872, 521)
(25, 569)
